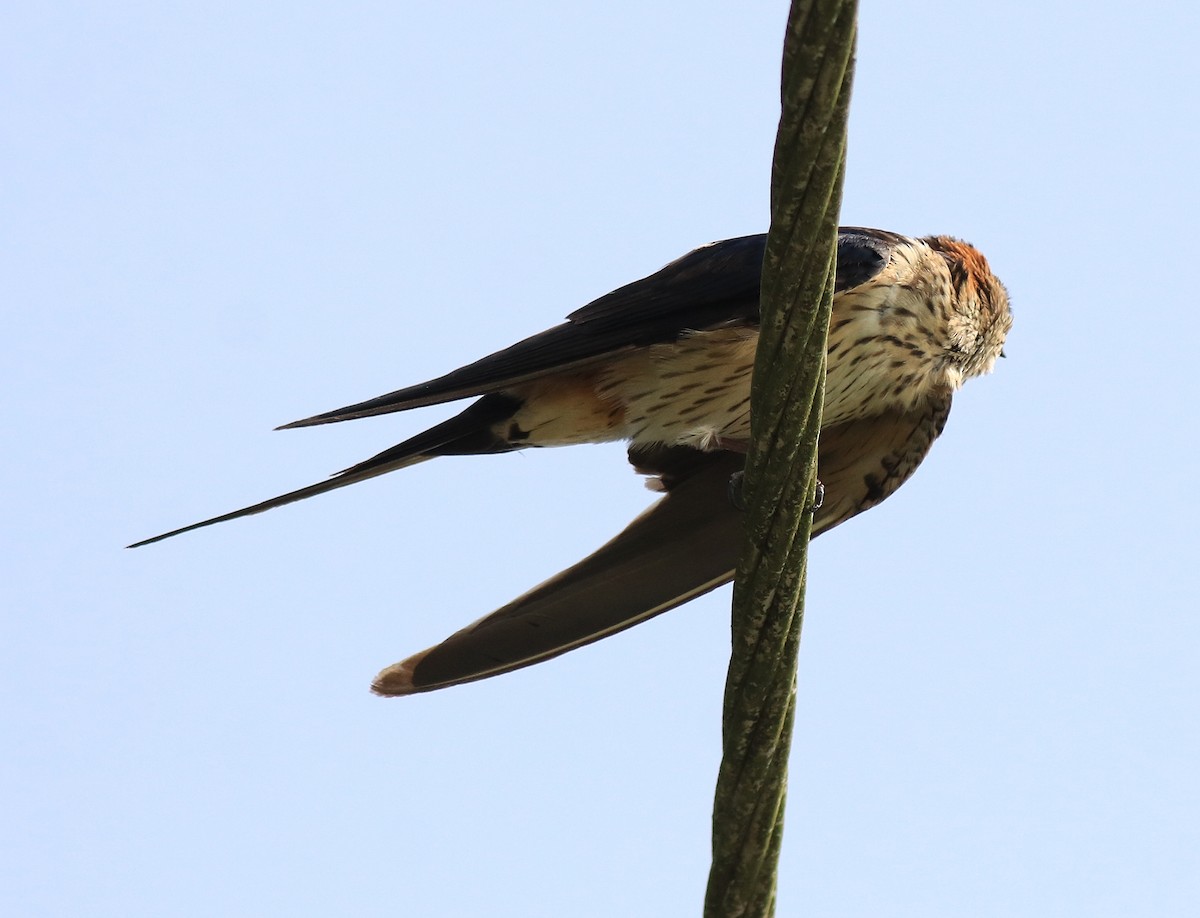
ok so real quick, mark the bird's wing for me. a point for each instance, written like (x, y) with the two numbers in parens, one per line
(714, 285)
(863, 462)
(681, 547)
(861, 254)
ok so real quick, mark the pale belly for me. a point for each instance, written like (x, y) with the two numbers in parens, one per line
(696, 392)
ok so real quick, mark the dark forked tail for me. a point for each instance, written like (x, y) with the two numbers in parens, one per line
(467, 433)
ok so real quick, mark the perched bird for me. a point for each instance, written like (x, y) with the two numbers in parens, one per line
(665, 364)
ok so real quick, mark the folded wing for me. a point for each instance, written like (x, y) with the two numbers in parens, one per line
(681, 547)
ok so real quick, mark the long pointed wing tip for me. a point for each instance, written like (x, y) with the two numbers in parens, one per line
(397, 679)
(153, 539)
(163, 536)
(303, 422)
(328, 417)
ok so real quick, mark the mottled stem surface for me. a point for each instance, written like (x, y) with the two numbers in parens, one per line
(788, 390)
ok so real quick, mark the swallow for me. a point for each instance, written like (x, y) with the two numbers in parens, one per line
(665, 364)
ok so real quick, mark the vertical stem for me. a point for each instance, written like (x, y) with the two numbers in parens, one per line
(788, 390)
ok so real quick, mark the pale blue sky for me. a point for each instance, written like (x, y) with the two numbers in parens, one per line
(220, 217)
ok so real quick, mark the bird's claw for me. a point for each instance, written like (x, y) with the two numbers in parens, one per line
(737, 495)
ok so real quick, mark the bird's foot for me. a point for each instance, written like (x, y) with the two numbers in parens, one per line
(737, 493)
(818, 497)
(737, 487)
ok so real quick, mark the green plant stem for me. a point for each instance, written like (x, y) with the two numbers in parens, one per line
(788, 389)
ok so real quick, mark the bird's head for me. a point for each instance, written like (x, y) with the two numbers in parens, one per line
(980, 317)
